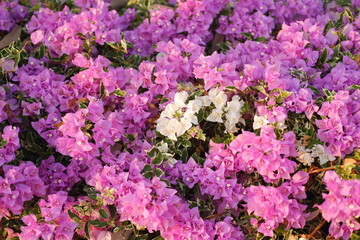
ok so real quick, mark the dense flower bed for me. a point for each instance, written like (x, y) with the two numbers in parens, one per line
(187, 119)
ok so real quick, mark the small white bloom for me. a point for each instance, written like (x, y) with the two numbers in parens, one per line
(205, 100)
(234, 105)
(319, 151)
(169, 111)
(230, 126)
(305, 155)
(280, 125)
(194, 105)
(233, 114)
(259, 121)
(167, 127)
(171, 161)
(163, 148)
(217, 97)
(215, 116)
(184, 125)
(180, 98)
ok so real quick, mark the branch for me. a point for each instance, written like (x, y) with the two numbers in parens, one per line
(311, 235)
(330, 168)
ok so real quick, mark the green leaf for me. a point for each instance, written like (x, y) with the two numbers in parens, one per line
(112, 210)
(103, 213)
(119, 93)
(159, 172)
(35, 8)
(146, 168)
(87, 230)
(354, 237)
(323, 57)
(102, 91)
(224, 46)
(186, 143)
(148, 175)
(354, 87)
(63, 58)
(130, 137)
(17, 57)
(249, 36)
(261, 39)
(184, 155)
(231, 88)
(285, 94)
(41, 52)
(200, 115)
(315, 90)
(124, 45)
(328, 26)
(73, 216)
(134, 60)
(114, 45)
(2, 143)
(158, 238)
(158, 159)
(336, 50)
(81, 35)
(344, 3)
(152, 153)
(329, 94)
(98, 223)
(90, 190)
(166, 181)
(261, 89)
(126, 225)
(93, 197)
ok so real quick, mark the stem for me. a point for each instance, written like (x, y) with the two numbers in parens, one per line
(311, 235)
(329, 168)
(215, 215)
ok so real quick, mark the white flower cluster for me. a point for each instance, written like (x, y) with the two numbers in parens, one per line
(260, 121)
(319, 151)
(306, 155)
(178, 117)
(232, 109)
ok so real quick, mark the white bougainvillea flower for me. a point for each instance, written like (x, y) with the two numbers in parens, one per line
(305, 156)
(180, 99)
(215, 116)
(233, 114)
(259, 121)
(217, 97)
(319, 151)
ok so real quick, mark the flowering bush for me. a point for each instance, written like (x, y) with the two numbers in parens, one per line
(180, 119)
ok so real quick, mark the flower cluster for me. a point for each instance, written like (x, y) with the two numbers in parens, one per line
(306, 155)
(338, 129)
(56, 221)
(180, 115)
(266, 154)
(274, 205)
(64, 32)
(11, 12)
(56, 176)
(341, 205)
(153, 205)
(9, 144)
(19, 185)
